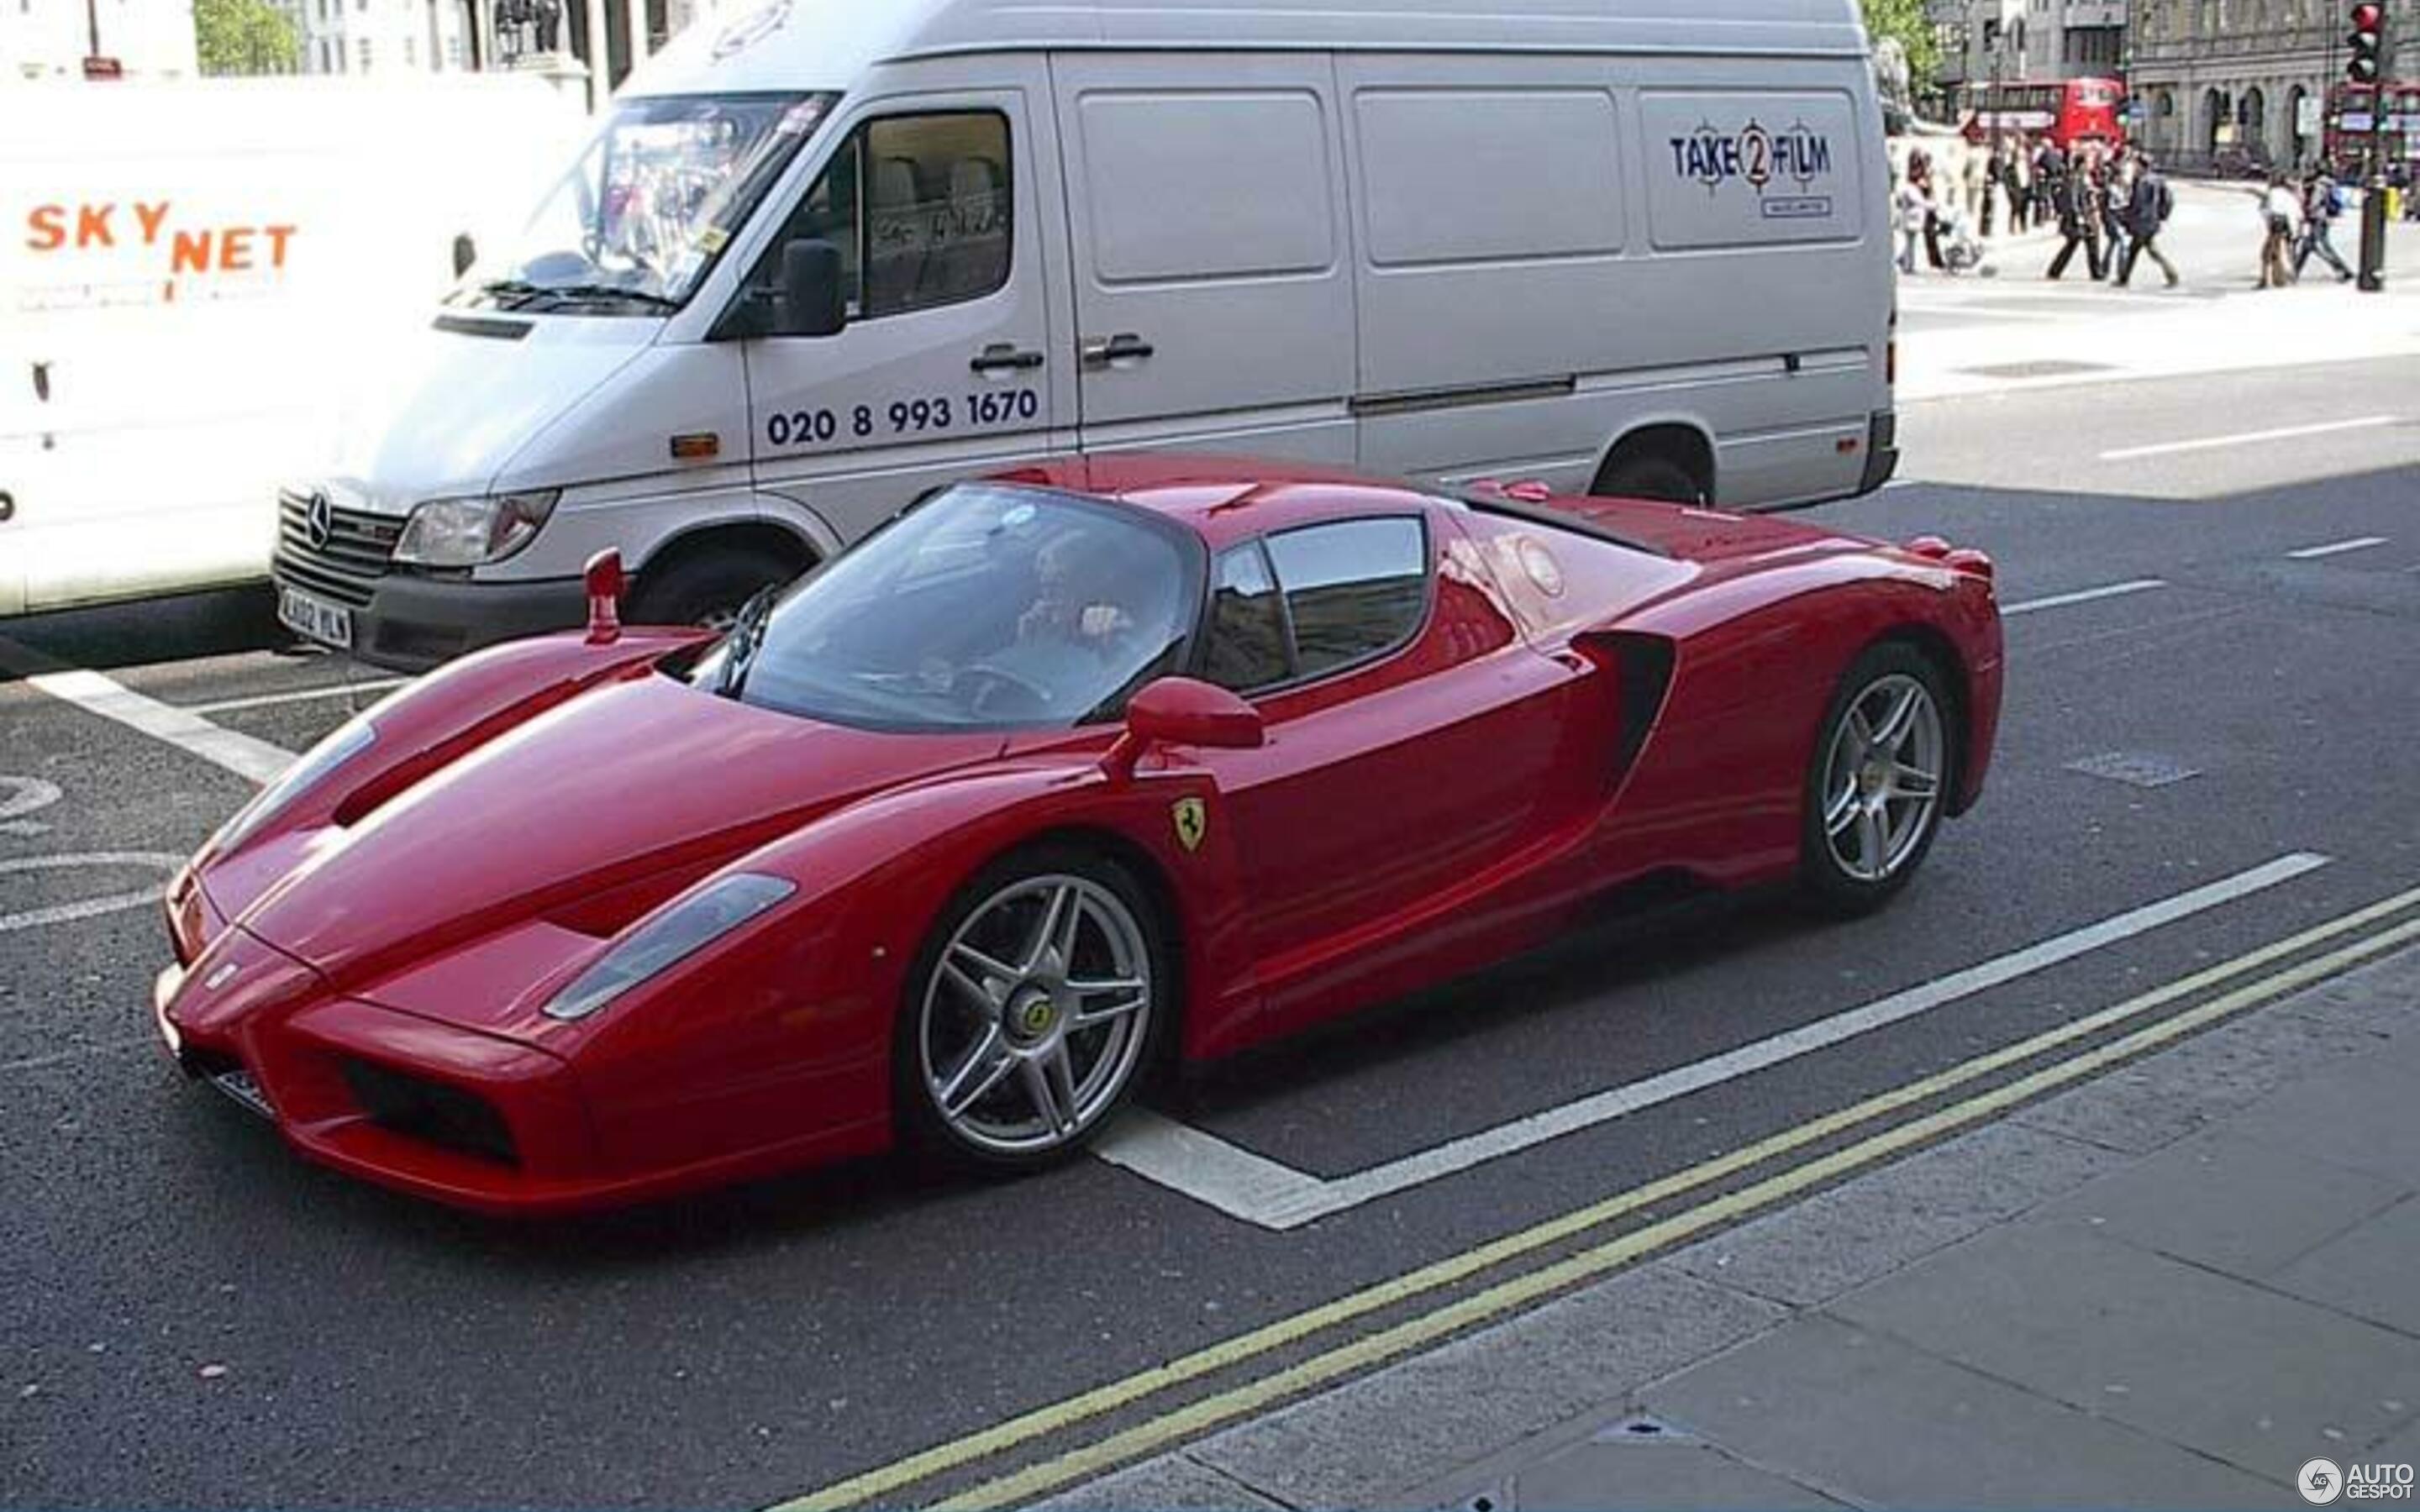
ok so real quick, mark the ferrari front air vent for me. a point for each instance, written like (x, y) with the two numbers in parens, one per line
(443, 1115)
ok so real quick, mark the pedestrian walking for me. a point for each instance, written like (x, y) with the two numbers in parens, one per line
(1909, 209)
(2322, 202)
(2079, 219)
(2148, 204)
(2115, 197)
(2281, 214)
(2021, 186)
(1929, 191)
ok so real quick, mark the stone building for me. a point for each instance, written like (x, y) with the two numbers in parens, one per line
(2243, 83)
(2025, 40)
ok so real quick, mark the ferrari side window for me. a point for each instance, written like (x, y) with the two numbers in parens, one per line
(1354, 590)
(1248, 631)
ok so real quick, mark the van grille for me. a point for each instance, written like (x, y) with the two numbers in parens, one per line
(360, 551)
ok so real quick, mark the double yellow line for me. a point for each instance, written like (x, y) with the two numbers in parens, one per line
(885, 1484)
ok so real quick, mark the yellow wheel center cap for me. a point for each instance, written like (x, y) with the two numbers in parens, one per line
(1034, 1017)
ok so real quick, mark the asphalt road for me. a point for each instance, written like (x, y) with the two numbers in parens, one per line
(195, 1318)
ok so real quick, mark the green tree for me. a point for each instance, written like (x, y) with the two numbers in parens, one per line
(1904, 21)
(244, 37)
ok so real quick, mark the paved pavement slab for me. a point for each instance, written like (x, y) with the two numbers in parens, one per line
(1665, 1474)
(2359, 1118)
(1421, 1419)
(2218, 1365)
(1172, 1483)
(1851, 1234)
(2372, 1271)
(2229, 1203)
(1880, 1423)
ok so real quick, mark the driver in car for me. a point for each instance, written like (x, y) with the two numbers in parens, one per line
(1076, 602)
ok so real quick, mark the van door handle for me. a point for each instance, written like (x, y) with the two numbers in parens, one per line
(1124, 346)
(1003, 356)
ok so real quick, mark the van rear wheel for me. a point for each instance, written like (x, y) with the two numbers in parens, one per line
(705, 588)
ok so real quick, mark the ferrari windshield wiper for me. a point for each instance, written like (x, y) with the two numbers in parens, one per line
(747, 638)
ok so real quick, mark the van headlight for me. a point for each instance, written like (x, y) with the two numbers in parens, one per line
(676, 933)
(470, 533)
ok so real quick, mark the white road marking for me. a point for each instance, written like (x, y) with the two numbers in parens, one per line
(2337, 549)
(90, 907)
(24, 795)
(2251, 438)
(2088, 595)
(1264, 1192)
(267, 701)
(95, 694)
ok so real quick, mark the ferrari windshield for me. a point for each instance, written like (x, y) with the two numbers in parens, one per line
(659, 193)
(986, 606)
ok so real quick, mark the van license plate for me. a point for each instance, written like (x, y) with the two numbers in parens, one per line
(329, 624)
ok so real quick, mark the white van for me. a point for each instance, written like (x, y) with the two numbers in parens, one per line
(183, 265)
(824, 257)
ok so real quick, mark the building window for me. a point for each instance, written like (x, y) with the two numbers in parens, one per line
(364, 47)
(411, 51)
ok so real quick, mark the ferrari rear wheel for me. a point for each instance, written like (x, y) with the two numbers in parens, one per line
(1879, 780)
(1032, 1010)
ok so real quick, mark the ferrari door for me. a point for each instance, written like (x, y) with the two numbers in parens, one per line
(1414, 738)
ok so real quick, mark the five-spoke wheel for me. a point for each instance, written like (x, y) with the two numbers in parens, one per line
(1032, 1009)
(1879, 777)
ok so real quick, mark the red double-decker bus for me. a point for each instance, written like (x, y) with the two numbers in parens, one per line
(2352, 112)
(2067, 111)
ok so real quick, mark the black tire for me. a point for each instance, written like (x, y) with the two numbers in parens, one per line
(923, 1127)
(1649, 477)
(705, 587)
(1828, 884)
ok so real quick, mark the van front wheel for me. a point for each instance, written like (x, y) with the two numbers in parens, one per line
(705, 588)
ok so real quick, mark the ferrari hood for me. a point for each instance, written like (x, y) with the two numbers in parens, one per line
(572, 818)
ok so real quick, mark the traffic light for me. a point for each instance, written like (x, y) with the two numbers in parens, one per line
(2369, 34)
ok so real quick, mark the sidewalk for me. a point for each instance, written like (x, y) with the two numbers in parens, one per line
(2171, 1287)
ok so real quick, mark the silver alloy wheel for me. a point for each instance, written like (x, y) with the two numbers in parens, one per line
(1035, 1015)
(1883, 778)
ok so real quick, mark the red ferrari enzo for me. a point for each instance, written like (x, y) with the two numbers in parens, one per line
(1055, 777)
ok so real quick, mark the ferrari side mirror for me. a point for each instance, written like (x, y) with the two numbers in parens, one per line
(604, 583)
(1182, 711)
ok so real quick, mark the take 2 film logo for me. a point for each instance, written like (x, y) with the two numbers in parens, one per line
(2323, 1481)
(1783, 167)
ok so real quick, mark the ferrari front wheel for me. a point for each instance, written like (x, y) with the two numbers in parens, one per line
(1879, 777)
(1033, 1008)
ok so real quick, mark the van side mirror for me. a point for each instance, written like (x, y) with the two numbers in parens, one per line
(466, 252)
(1183, 711)
(811, 292)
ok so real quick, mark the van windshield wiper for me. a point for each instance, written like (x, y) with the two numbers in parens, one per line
(610, 291)
(521, 289)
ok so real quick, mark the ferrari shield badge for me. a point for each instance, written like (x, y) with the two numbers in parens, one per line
(1192, 822)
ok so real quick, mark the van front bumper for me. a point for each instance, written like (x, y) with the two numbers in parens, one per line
(412, 623)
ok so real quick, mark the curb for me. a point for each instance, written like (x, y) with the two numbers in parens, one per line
(1450, 1427)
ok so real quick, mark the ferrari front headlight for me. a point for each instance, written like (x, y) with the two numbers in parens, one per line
(672, 935)
(471, 533)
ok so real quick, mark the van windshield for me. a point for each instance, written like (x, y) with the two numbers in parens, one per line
(641, 217)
